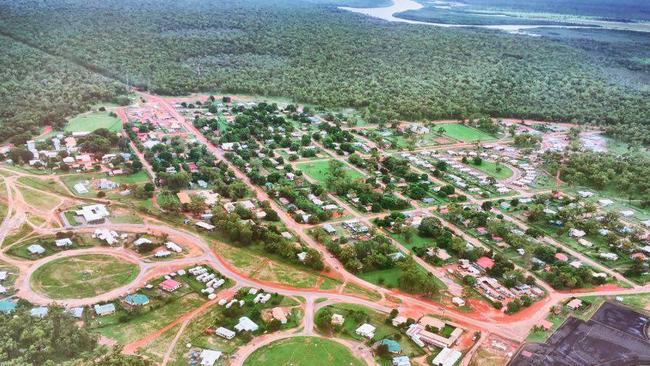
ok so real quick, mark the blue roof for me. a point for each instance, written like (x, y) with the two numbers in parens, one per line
(137, 299)
(393, 346)
(7, 306)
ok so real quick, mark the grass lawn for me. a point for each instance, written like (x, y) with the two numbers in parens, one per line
(91, 121)
(82, 276)
(146, 322)
(415, 241)
(352, 321)
(318, 171)
(385, 277)
(490, 168)
(38, 199)
(303, 351)
(464, 133)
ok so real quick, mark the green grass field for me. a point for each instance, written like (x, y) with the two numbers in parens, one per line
(464, 133)
(490, 168)
(303, 351)
(82, 276)
(91, 121)
(318, 171)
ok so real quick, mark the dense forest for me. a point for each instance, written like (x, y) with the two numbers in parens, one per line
(312, 52)
(36, 88)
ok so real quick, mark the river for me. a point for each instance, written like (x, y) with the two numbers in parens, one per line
(388, 13)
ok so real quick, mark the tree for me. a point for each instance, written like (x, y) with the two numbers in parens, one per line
(197, 204)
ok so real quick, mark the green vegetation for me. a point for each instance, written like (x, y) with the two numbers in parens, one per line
(208, 46)
(93, 121)
(303, 351)
(464, 133)
(319, 171)
(494, 169)
(82, 276)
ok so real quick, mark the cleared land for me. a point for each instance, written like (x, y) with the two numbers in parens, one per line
(464, 133)
(82, 276)
(318, 171)
(303, 351)
(93, 121)
(491, 168)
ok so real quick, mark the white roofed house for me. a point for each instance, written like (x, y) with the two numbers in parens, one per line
(93, 214)
(62, 243)
(35, 249)
(225, 333)
(366, 330)
(246, 325)
(209, 357)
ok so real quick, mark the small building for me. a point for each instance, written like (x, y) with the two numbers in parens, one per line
(93, 214)
(76, 312)
(35, 249)
(209, 357)
(485, 262)
(62, 243)
(393, 346)
(446, 357)
(574, 304)
(561, 257)
(246, 325)
(170, 285)
(183, 197)
(225, 333)
(398, 320)
(7, 306)
(278, 314)
(136, 299)
(366, 330)
(39, 312)
(105, 309)
(458, 301)
(141, 241)
(337, 319)
(204, 225)
(401, 361)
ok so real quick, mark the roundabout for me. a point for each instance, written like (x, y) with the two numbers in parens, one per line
(82, 276)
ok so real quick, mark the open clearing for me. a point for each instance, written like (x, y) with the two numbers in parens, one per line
(82, 276)
(92, 121)
(318, 170)
(303, 351)
(465, 133)
(491, 168)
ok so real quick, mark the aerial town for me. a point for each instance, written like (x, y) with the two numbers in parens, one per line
(216, 230)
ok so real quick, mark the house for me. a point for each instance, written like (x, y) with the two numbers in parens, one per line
(93, 214)
(337, 319)
(183, 197)
(141, 241)
(76, 312)
(329, 229)
(169, 285)
(80, 188)
(35, 249)
(209, 357)
(39, 312)
(7, 306)
(446, 357)
(105, 309)
(136, 299)
(366, 330)
(561, 257)
(393, 346)
(485, 262)
(576, 233)
(204, 225)
(225, 333)
(398, 320)
(574, 304)
(109, 236)
(458, 301)
(609, 256)
(3, 275)
(401, 361)
(302, 256)
(173, 247)
(62, 243)
(245, 324)
(278, 314)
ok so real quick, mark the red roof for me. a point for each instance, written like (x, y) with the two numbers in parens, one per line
(485, 262)
(561, 257)
(169, 285)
